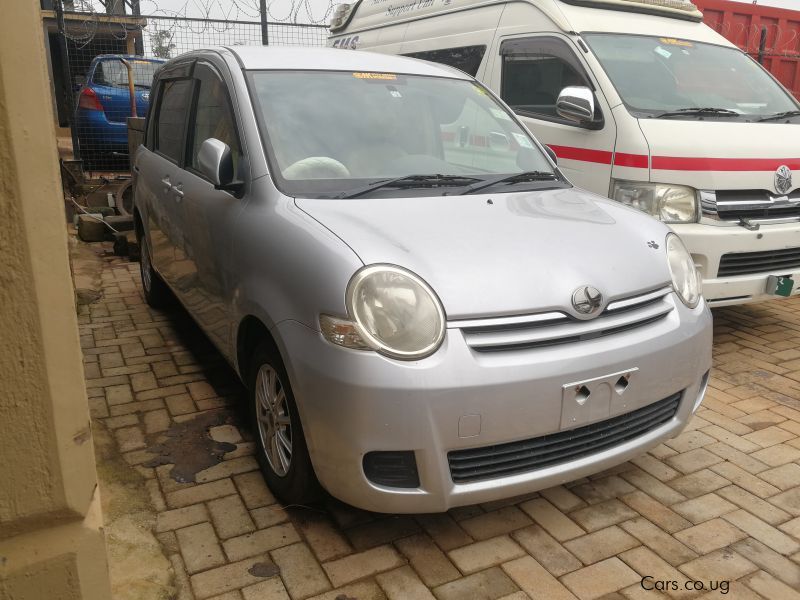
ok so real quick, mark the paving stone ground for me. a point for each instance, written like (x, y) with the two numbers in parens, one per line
(719, 503)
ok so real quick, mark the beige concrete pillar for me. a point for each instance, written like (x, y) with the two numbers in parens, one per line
(51, 541)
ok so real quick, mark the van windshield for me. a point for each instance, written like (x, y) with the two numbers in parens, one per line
(332, 134)
(657, 76)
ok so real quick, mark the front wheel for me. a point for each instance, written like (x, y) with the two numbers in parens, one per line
(281, 446)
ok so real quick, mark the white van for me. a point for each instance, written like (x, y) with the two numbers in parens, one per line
(641, 102)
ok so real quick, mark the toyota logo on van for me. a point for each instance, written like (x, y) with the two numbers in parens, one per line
(783, 179)
(587, 300)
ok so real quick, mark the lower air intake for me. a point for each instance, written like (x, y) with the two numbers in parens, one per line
(502, 460)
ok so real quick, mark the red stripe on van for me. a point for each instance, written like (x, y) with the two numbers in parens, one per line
(638, 161)
(677, 163)
(582, 154)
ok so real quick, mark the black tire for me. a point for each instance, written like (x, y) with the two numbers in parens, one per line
(156, 292)
(298, 484)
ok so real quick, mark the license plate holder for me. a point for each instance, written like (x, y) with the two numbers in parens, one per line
(596, 399)
(780, 285)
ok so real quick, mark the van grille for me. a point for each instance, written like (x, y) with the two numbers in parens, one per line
(502, 460)
(549, 329)
(745, 263)
(733, 205)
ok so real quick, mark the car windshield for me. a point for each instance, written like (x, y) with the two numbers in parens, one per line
(656, 75)
(333, 134)
(113, 72)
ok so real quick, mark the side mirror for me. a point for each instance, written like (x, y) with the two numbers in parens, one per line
(499, 141)
(215, 161)
(576, 103)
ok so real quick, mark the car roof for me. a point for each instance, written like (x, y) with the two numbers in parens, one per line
(331, 59)
(129, 57)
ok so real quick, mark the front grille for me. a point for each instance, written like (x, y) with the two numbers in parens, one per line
(502, 460)
(734, 205)
(553, 328)
(746, 263)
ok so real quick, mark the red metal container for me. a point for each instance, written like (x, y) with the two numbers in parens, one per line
(744, 25)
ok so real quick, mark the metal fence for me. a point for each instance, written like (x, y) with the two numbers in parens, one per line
(92, 87)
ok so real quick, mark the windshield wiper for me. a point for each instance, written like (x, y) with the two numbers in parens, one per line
(782, 115)
(723, 112)
(510, 179)
(411, 181)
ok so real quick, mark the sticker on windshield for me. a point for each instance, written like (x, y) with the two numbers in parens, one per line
(378, 76)
(663, 52)
(676, 42)
(500, 114)
(522, 140)
(395, 93)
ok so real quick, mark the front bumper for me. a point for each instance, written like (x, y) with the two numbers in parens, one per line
(708, 243)
(354, 402)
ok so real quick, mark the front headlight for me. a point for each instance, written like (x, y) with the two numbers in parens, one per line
(391, 311)
(685, 278)
(668, 203)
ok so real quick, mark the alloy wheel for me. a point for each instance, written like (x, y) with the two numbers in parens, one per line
(273, 420)
(144, 261)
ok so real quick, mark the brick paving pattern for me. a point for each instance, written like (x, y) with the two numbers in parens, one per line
(720, 502)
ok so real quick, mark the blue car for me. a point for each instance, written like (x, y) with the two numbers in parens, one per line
(104, 105)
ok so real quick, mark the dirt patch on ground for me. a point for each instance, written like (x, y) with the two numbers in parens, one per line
(188, 446)
(137, 565)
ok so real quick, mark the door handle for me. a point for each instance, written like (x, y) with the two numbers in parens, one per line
(178, 191)
(167, 183)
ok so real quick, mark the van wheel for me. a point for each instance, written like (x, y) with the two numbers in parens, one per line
(280, 442)
(156, 292)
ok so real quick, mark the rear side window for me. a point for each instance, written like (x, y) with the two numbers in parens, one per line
(175, 102)
(535, 70)
(466, 58)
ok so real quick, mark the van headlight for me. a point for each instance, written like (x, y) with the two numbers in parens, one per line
(685, 279)
(392, 311)
(668, 203)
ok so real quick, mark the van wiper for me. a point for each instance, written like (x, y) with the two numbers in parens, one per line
(509, 179)
(782, 115)
(411, 181)
(681, 112)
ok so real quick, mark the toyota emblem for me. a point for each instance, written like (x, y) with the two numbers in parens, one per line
(587, 300)
(783, 179)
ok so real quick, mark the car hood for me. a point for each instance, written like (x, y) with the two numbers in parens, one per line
(721, 155)
(508, 254)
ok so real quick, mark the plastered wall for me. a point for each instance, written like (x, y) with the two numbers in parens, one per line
(50, 526)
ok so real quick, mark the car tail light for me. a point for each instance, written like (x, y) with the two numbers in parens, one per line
(89, 100)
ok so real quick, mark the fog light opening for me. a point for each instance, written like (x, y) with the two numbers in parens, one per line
(396, 469)
(622, 384)
(701, 392)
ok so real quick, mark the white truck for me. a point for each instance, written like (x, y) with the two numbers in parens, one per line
(641, 102)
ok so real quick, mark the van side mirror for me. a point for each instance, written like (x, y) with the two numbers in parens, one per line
(215, 161)
(576, 103)
(499, 141)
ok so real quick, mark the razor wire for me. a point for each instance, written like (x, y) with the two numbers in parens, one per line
(311, 12)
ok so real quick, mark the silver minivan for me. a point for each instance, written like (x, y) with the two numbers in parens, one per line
(424, 311)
